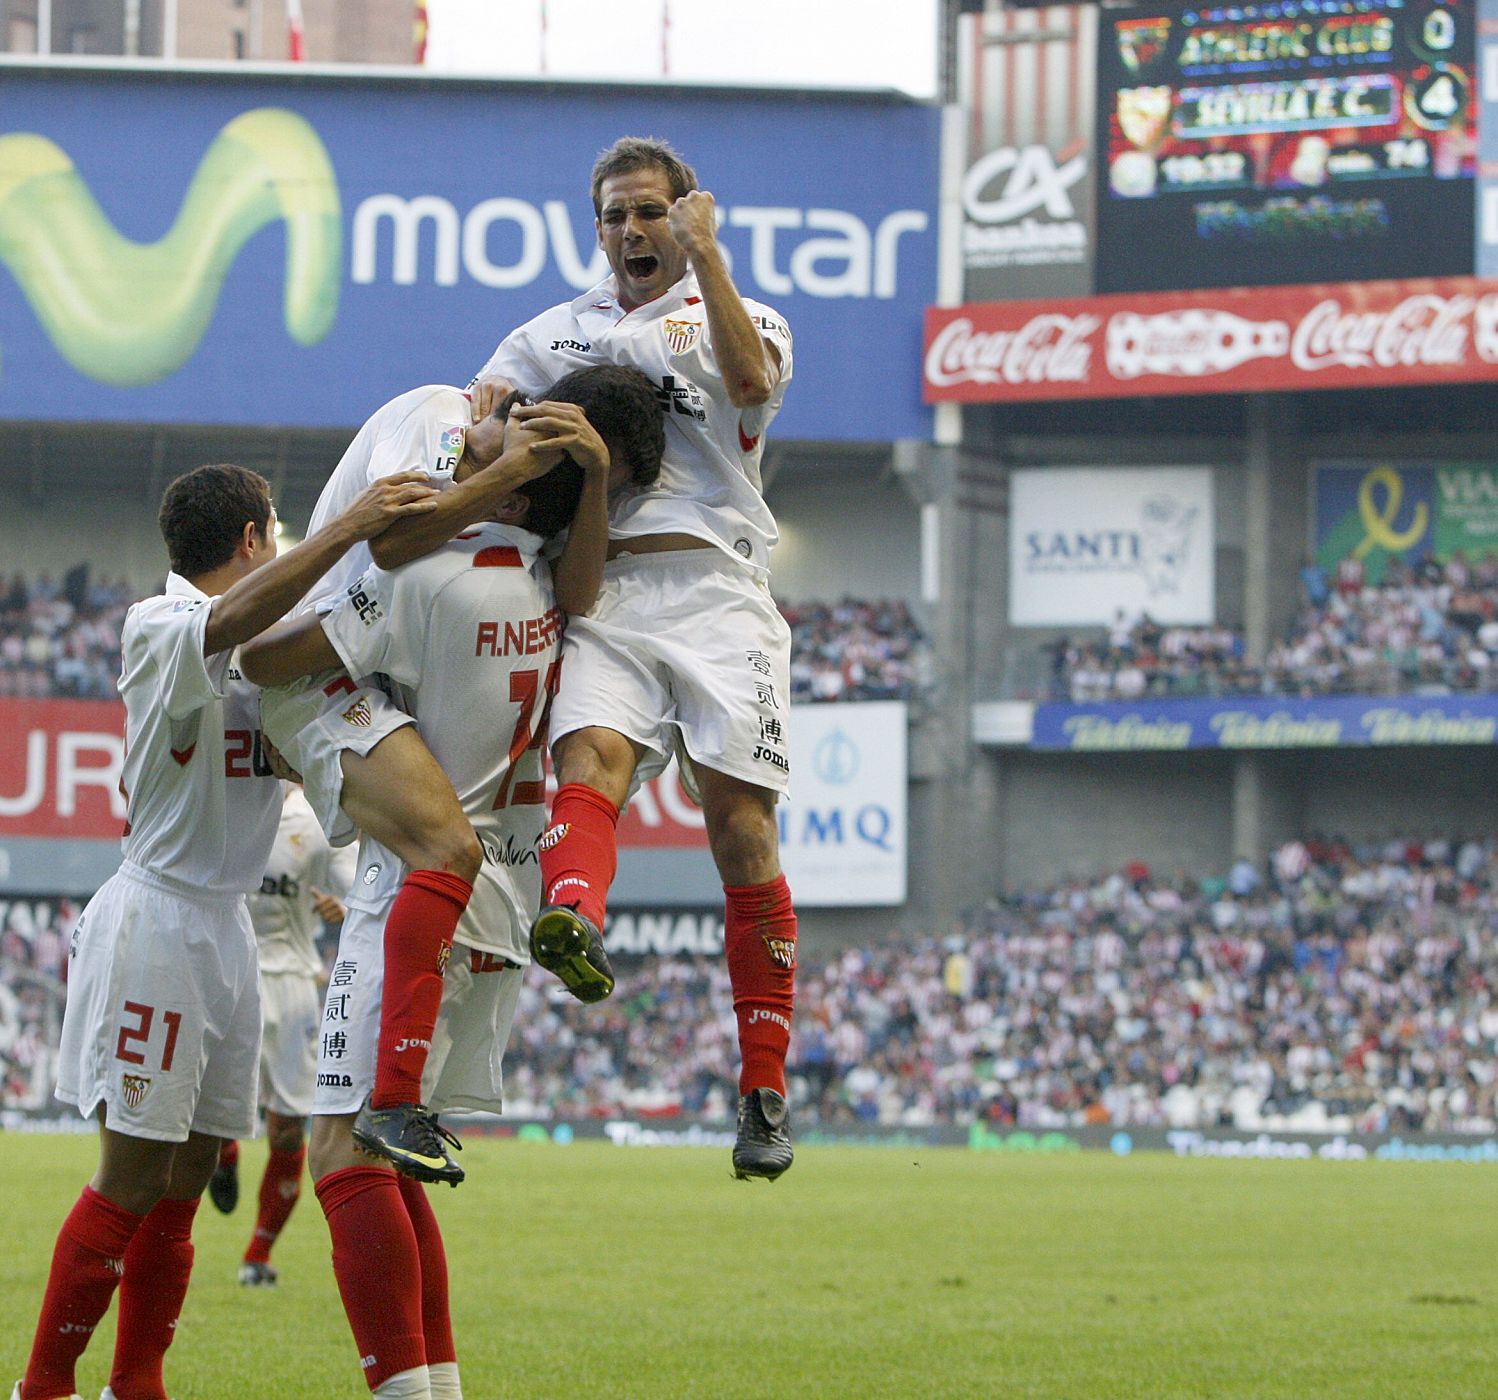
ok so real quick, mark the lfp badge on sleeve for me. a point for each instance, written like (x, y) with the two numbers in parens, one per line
(842, 831)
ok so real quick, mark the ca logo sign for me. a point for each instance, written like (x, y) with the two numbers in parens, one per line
(1034, 179)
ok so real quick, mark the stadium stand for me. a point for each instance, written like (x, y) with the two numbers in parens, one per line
(1422, 627)
(63, 641)
(1339, 988)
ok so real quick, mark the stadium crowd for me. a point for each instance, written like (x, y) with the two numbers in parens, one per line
(1424, 626)
(62, 639)
(855, 650)
(1340, 987)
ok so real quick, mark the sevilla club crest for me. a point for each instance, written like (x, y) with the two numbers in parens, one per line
(681, 336)
(133, 1089)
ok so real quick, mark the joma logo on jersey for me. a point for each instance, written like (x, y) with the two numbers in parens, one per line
(581, 346)
(681, 336)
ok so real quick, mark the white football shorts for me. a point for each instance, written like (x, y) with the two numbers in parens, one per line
(313, 721)
(288, 1046)
(683, 647)
(463, 1071)
(163, 1016)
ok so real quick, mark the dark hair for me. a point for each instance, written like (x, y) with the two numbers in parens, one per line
(631, 153)
(203, 515)
(553, 498)
(622, 406)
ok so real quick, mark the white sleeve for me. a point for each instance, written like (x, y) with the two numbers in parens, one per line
(377, 625)
(772, 326)
(423, 441)
(170, 632)
(515, 360)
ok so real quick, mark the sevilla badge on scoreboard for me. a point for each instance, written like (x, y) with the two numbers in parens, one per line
(681, 336)
(133, 1089)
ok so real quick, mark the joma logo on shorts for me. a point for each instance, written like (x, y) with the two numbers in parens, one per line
(770, 756)
(335, 1081)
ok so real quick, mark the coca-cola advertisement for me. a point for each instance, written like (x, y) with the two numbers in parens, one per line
(1297, 142)
(1239, 340)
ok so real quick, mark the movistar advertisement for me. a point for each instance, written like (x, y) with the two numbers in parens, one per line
(219, 250)
(1406, 512)
(1288, 142)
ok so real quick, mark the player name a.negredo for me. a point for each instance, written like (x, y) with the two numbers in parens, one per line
(535, 634)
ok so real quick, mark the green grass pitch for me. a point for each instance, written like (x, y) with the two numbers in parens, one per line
(592, 1270)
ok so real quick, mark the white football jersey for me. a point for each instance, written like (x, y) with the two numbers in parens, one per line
(201, 802)
(710, 483)
(470, 638)
(283, 910)
(422, 430)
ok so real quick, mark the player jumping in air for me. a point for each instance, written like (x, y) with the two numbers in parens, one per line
(161, 1037)
(364, 767)
(685, 649)
(470, 639)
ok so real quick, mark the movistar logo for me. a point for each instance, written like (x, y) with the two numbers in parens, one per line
(131, 313)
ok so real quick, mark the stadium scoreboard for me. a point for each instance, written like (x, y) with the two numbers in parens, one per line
(1304, 141)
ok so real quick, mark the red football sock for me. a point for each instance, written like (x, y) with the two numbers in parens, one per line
(158, 1266)
(760, 939)
(228, 1154)
(378, 1268)
(87, 1264)
(436, 1320)
(579, 852)
(418, 939)
(280, 1188)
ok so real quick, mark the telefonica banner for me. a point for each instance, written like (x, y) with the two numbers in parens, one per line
(1254, 722)
(217, 249)
(842, 831)
(1086, 542)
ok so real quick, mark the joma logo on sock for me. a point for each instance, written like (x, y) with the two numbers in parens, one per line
(412, 1044)
(760, 1015)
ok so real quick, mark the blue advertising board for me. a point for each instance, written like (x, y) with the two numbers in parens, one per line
(1268, 722)
(222, 249)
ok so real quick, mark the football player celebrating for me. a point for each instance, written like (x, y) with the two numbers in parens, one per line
(685, 649)
(470, 630)
(364, 767)
(288, 912)
(161, 1035)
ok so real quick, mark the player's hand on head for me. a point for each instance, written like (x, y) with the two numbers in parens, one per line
(378, 507)
(693, 221)
(565, 427)
(485, 395)
(279, 767)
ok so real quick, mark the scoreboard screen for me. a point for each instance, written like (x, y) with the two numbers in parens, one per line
(1305, 141)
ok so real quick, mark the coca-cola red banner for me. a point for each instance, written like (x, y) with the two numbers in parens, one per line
(1241, 340)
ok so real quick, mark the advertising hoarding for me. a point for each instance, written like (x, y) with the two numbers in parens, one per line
(842, 832)
(215, 249)
(1255, 722)
(1379, 511)
(1359, 335)
(1085, 543)
(1026, 85)
(1302, 141)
